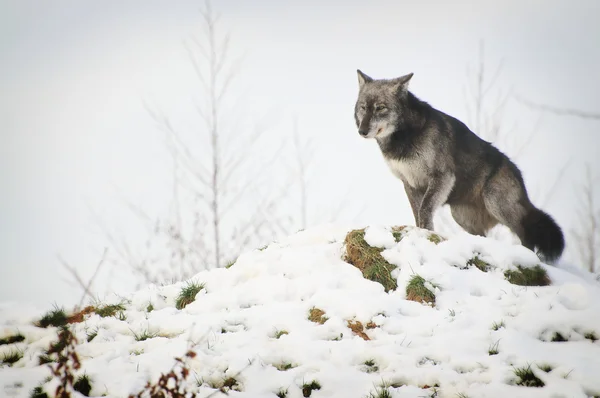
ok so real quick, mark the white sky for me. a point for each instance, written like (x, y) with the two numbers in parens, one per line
(74, 74)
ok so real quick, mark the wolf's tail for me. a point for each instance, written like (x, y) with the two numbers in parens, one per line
(543, 233)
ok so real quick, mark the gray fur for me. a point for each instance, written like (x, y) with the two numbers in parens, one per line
(440, 161)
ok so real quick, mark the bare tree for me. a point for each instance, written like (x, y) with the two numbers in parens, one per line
(586, 234)
(223, 197)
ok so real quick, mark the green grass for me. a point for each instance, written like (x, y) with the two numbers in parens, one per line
(479, 264)
(56, 317)
(10, 357)
(110, 310)
(368, 260)
(188, 294)
(308, 388)
(83, 385)
(545, 367)
(435, 238)
(45, 359)
(494, 348)
(230, 264)
(522, 276)
(144, 335)
(279, 333)
(282, 367)
(397, 233)
(380, 392)
(417, 291)
(38, 392)
(91, 334)
(370, 366)
(498, 325)
(591, 336)
(15, 338)
(526, 377)
(558, 337)
(282, 393)
(150, 307)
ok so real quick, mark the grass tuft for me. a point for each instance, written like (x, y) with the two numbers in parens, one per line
(435, 238)
(279, 333)
(144, 335)
(283, 366)
(557, 337)
(38, 392)
(308, 388)
(416, 291)
(371, 325)
(370, 366)
(10, 357)
(317, 315)
(229, 384)
(479, 264)
(358, 329)
(188, 294)
(526, 377)
(110, 310)
(591, 336)
(368, 260)
(91, 334)
(150, 307)
(15, 338)
(56, 317)
(494, 348)
(230, 264)
(83, 385)
(282, 393)
(522, 276)
(398, 233)
(380, 392)
(498, 325)
(546, 367)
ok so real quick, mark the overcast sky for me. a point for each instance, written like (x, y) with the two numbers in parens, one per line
(75, 134)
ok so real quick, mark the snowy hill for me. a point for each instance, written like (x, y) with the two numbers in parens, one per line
(298, 319)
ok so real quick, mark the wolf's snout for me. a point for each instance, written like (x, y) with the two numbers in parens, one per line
(363, 132)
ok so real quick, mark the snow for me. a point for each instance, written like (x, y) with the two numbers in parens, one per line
(233, 322)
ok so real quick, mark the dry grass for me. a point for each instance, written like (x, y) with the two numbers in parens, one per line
(79, 316)
(368, 260)
(317, 315)
(358, 329)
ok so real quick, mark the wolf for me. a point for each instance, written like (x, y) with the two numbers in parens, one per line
(441, 161)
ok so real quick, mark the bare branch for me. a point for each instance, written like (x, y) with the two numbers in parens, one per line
(560, 111)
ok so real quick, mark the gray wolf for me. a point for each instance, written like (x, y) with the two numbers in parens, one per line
(440, 161)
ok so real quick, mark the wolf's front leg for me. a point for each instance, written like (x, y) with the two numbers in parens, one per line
(415, 197)
(435, 196)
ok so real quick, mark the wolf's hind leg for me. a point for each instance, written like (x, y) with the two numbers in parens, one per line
(476, 220)
(507, 201)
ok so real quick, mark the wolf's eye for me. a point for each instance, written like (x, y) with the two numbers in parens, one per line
(380, 108)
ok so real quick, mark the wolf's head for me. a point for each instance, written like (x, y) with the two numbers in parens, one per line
(378, 108)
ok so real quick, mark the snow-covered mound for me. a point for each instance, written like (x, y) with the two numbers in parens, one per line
(249, 326)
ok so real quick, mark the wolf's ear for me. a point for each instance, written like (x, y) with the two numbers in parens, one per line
(362, 78)
(401, 83)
